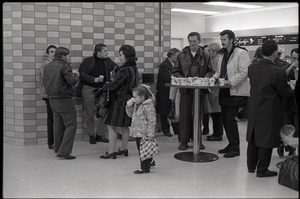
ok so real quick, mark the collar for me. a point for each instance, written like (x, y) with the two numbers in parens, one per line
(170, 61)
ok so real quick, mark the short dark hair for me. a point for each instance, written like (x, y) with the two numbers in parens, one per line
(99, 47)
(296, 50)
(192, 34)
(129, 52)
(269, 47)
(49, 47)
(230, 34)
(61, 51)
(172, 51)
(142, 91)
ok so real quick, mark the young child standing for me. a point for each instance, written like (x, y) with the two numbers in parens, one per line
(141, 109)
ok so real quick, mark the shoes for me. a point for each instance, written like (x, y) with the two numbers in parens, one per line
(141, 171)
(100, 138)
(209, 136)
(225, 150)
(202, 146)
(268, 173)
(231, 154)
(280, 150)
(183, 146)
(109, 155)
(251, 170)
(168, 134)
(214, 138)
(152, 164)
(92, 139)
(65, 156)
(124, 152)
(51, 146)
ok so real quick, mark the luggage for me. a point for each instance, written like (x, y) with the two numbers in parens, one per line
(289, 173)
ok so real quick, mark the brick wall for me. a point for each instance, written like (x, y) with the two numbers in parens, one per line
(28, 29)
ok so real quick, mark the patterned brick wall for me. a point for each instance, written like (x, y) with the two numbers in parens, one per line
(28, 29)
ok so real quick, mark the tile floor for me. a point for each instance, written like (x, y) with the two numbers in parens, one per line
(35, 172)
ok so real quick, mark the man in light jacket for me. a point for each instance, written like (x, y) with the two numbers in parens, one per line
(233, 66)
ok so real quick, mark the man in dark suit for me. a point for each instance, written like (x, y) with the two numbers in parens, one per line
(163, 105)
(269, 86)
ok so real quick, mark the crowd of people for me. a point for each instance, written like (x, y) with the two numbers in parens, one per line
(262, 85)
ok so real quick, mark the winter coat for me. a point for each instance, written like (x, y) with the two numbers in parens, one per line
(59, 79)
(143, 119)
(266, 116)
(163, 103)
(183, 65)
(237, 70)
(87, 66)
(41, 73)
(125, 79)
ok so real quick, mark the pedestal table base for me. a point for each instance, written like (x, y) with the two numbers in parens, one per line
(200, 157)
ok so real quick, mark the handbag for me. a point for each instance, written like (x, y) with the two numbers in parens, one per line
(148, 148)
(289, 173)
(101, 97)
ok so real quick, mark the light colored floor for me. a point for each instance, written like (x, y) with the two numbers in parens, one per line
(35, 172)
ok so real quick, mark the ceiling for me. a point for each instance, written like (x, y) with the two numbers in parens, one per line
(227, 10)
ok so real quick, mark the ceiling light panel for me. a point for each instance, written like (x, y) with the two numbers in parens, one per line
(194, 11)
(237, 5)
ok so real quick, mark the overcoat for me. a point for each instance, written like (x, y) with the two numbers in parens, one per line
(126, 78)
(163, 103)
(269, 88)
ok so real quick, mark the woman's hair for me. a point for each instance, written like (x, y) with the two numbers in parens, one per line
(144, 90)
(128, 52)
(60, 51)
(215, 46)
(49, 47)
(258, 53)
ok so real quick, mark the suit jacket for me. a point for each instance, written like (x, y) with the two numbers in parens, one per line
(269, 88)
(163, 103)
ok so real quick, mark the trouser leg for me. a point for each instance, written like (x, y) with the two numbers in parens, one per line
(175, 127)
(165, 126)
(231, 128)
(58, 130)
(70, 132)
(264, 159)
(205, 123)
(89, 109)
(217, 124)
(50, 123)
(252, 154)
(186, 121)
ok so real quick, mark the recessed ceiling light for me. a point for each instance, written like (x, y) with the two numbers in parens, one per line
(193, 11)
(238, 5)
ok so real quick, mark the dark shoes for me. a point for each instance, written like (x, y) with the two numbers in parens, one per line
(51, 146)
(124, 152)
(109, 155)
(168, 134)
(141, 171)
(100, 138)
(65, 156)
(231, 154)
(202, 146)
(183, 146)
(214, 138)
(92, 139)
(225, 150)
(152, 164)
(268, 173)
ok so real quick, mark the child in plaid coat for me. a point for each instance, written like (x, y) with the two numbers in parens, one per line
(141, 109)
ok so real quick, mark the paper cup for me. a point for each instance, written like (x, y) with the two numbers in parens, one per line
(222, 81)
(212, 81)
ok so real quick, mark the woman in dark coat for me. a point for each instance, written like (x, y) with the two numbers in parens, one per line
(268, 89)
(163, 103)
(124, 80)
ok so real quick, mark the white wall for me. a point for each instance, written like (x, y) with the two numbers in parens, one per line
(182, 26)
(255, 20)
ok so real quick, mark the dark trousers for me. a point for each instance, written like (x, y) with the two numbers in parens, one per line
(50, 122)
(217, 123)
(65, 124)
(165, 126)
(258, 157)
(186, 115)
(230, 125)
(145, 165)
